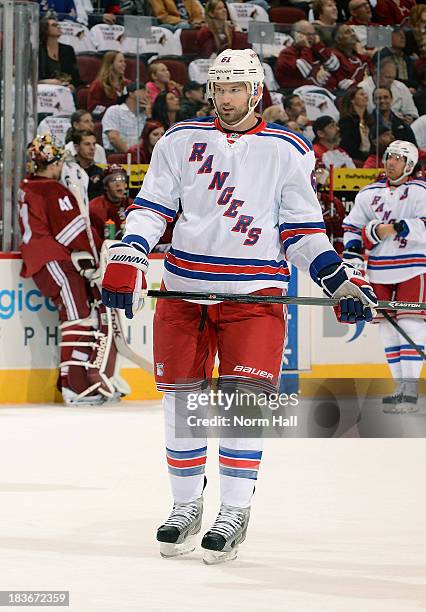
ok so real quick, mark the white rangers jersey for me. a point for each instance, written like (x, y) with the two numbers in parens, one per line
(247, 205)
(396, 258)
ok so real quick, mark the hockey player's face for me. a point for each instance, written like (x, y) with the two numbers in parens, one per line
(232, 101)
(116, 188)
(394, 166)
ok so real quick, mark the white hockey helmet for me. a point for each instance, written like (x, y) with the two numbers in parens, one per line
(405, 149)
(237, 66)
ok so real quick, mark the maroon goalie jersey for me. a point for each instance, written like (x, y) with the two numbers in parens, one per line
(51, 224)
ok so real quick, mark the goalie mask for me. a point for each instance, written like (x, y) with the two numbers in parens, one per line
(234, 66)
(404, 149)
(44, 150)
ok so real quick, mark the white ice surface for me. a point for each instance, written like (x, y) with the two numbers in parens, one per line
(337, 525)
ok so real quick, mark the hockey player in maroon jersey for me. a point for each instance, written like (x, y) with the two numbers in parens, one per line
(59, 250)
(112, 204)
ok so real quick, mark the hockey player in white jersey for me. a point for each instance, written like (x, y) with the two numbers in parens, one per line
(248, 200)
(389, 219)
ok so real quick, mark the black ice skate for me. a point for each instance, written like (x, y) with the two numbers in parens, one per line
(177, 535)
(228, 532)
(404, 399)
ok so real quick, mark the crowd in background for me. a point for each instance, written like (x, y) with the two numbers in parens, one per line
(328, 80)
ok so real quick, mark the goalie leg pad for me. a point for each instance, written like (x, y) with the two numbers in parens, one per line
(87, 358)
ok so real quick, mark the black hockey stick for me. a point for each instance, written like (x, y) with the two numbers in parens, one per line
(404, 335)
(275, 299)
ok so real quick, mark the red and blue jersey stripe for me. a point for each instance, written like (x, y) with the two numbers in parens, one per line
(204, 124)
(239, 463)
(293, 232)
(299, 142)
(412, 260)
(141, 203)
(206, 267)
(348, 227)
(186, 462)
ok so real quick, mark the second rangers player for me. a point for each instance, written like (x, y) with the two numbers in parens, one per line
(389, 219)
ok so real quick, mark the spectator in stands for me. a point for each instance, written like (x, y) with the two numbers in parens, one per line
(85, 143)
(404, 63)
(159, 76)
(291, 125)
(418, 27)
(420, 95)
(218, 34)
(192, 101)
(178, 14)
(355, 123)
(421, 60)
(326, 144)
(352, 66)
(383, 113)
(360, 18)
(123, 123)
(375, 159)
(63, 7)
(166, 109)
(151, 134)
(275, 114)
(81, 120)
(403, 103)
(57, 64)
(419, 128)
(295, 108)
(109, 84)
(393, 12)
(306, 61)
(325, 19)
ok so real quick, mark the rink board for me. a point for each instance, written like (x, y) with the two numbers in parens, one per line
(318, 347)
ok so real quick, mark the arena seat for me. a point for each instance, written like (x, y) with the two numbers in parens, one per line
(97, 128)
(131, 69)
(286, 14)
(178, 69)
(188, 39)
(88, 66)
(81, 97)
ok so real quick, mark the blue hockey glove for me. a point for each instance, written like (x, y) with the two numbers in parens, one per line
(355, 294)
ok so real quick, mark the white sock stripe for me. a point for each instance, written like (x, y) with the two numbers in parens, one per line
(66, 293)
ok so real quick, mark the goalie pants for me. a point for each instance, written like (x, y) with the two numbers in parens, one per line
(249, 340)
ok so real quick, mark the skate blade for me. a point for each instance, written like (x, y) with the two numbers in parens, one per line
(392, 409)
(168, 550)
(408, 408)
(214, 557)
